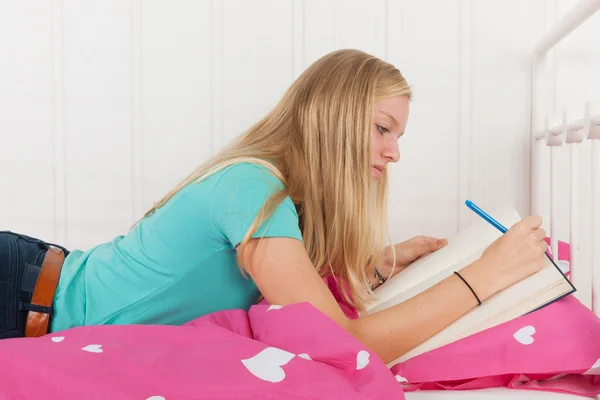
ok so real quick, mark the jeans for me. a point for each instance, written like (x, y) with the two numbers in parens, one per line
(21, 258)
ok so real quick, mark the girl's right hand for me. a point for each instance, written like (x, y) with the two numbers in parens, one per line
(512, 257)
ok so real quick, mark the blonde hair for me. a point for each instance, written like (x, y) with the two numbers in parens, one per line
(317, 142)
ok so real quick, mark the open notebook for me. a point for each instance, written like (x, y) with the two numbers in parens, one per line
(534, 292)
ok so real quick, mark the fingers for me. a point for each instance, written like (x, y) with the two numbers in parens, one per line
(425, 248)
(539, 234)
(428, 245)
(436, 244)
(532, 222)
(543, 246)
(526, 226)
(429, 242)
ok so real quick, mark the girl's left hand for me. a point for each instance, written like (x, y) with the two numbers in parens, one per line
(412, 249)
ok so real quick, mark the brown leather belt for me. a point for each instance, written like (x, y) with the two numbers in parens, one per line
(43, 292)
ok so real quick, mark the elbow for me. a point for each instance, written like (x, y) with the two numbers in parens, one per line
(356, 328)
(359, 328)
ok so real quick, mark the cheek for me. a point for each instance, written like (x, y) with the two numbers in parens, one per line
(377, 144)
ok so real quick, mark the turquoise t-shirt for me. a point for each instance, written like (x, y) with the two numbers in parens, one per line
(179, 263)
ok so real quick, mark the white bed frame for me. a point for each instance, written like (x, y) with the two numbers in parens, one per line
(548, 133)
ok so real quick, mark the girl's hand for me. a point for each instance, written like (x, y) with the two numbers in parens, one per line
(510, 258)
(409, 251)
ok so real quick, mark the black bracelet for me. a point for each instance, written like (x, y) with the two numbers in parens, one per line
(469, 286)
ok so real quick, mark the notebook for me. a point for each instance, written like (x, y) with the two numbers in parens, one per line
(534, 292)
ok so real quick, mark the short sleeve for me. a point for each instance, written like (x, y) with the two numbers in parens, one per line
(238, 197)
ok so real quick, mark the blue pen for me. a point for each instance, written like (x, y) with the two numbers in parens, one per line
(486, 216)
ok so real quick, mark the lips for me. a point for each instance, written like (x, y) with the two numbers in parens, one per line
(378, 170)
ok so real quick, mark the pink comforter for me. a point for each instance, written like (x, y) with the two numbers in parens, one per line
(553, 349)
(295, 352)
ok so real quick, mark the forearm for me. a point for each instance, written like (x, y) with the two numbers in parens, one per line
(394, 331)
(389, 333)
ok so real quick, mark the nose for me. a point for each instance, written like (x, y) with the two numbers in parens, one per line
(392, 152)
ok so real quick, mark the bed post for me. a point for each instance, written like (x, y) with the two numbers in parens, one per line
(592, 130)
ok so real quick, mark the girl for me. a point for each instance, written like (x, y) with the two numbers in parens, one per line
(299, 197)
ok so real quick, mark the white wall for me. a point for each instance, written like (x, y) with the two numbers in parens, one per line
(105, 105)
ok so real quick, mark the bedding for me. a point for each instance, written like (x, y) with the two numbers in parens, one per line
(296, 352)
(555, 349)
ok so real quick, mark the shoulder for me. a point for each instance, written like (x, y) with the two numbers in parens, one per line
(246, 175)
(241, 191)
(246, 170)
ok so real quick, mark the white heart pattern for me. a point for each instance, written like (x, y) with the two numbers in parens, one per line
(594, 369)
(274, 307)
(305, 356)
(362, 359)
(93, 348)
(58, 339)
(267, 364)
(400, 378)
(156, 398)
(525, 335)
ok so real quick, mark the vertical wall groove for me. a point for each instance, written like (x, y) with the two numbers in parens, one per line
(386, 31)
(58, 129)
(297, 37)
(136, 110)
(466, 161)
(216, 74)
(337, 25)
(303, 53)
(554, 55)
(405, 57)
(536, 115)
(380, 39)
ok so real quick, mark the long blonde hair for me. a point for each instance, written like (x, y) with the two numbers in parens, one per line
(317, 142)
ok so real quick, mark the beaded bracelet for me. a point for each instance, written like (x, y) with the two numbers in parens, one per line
(380, 279)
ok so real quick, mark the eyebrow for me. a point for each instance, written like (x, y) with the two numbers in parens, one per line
(391, 117)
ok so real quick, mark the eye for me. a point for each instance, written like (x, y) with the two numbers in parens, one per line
(382, 129)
